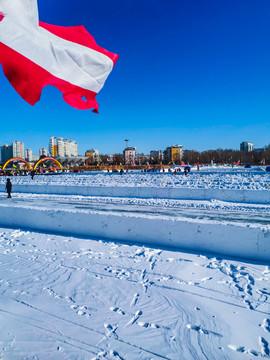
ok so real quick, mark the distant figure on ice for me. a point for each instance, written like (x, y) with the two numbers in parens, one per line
(186, 171)
(33, 173)
(9, 187)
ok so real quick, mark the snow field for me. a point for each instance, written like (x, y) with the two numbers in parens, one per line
(65, 297)
(194, 180)
(243, 187)
(76, 296)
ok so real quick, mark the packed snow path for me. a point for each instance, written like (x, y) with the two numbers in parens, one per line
(73, 298)
(240, 230)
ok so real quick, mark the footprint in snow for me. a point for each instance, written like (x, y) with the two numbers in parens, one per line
(134, 300)
(135, 318)
(116, 355)
(243, 349)
(266, 325)
(81, 313)
(149, 325)
(118, 310)
(264, 347)
(200, 330)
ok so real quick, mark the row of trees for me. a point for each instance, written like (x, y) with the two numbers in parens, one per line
(219, 156)
(228, 156)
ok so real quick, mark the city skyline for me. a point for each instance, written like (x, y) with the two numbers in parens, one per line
(69, 148)
(192, 72)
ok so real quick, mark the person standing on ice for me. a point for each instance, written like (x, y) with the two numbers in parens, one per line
(9, 187)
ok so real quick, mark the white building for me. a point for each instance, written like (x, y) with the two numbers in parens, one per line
(70, 148)
(130, 155)
(28, 154)
(246, 146)
(60, 147)
(17, 149)
(73, 146)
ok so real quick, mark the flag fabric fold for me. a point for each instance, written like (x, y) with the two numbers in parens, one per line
(34, 54)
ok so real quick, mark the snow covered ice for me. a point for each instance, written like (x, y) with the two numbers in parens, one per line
(69, 295)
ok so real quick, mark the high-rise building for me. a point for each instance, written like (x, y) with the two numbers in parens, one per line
(60, 147)
(53, 149)
(246, 146)
(92, 156)
(17, 149)
(73, 146)
(173, 154)
(43, 152)
(28, 155)
(6, 153)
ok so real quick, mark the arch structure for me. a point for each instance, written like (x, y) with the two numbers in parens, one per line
(45, 159)
(18, 160)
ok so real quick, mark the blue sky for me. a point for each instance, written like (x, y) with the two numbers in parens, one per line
(190, 72)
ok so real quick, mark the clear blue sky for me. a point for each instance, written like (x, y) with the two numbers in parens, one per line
(190, 72)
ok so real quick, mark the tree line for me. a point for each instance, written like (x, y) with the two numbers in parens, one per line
(228, 156)
(218, 156)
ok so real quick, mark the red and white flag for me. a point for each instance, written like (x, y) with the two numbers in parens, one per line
(182, 163)
(34, 54)
(238, 163)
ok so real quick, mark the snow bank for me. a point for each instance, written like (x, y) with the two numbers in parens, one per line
(233, 239)
(240, 195)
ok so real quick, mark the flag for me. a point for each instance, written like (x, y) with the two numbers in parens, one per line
(182, 163)
(34, 54)
(238, 162)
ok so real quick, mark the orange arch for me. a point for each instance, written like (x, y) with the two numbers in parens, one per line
(48, 158)
(19, 160)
